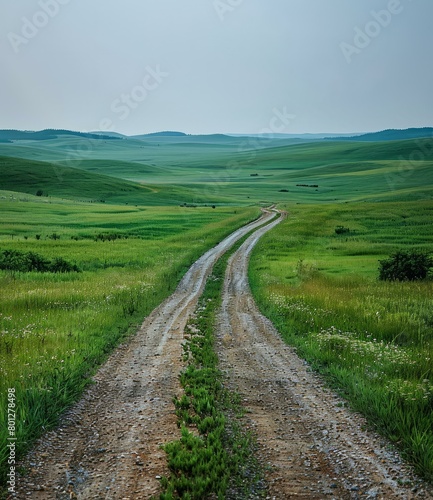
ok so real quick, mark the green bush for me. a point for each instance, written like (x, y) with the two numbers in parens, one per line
(405, 266)
(342, 230)
(60, 265)
(35, 262)
(24, 262)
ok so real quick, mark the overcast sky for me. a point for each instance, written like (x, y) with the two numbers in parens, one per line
(205, 66)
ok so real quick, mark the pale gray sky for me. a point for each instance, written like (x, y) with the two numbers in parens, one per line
(205, 66)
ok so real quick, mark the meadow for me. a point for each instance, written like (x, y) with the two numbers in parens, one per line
(56, 328)
(236, 171)
(134, 214)
(372, 340)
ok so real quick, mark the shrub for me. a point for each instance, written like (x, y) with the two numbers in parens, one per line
(39, 192)
(13, 260)
(342, 230)
(305, 271)
(110, 236)
(60, 265)
(405, 266)
(35, 262)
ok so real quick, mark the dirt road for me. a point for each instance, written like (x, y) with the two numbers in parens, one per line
(108, 446)
(312, 446)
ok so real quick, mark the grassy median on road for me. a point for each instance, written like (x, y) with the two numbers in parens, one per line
(215, 455)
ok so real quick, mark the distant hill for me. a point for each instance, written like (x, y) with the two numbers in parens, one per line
(181, 139)
(175, 137)
(106, 133)
(296, 136)
(390, 135)
(180, 169)
(43, 135)
(167, 133)
(48, 179)
(210, 138)
(7, 136)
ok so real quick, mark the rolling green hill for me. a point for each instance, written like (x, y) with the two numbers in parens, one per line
(49, 179)
(43, 135)
(236, 171)
(393, 135)
(30, 177)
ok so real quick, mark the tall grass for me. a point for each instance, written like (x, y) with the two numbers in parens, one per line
(56, 329)
(372, 339)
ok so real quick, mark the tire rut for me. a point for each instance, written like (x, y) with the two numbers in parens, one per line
(311, 446)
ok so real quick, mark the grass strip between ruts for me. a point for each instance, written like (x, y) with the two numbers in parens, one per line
(215, 455)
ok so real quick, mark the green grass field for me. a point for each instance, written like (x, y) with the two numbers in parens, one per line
(134, 214)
